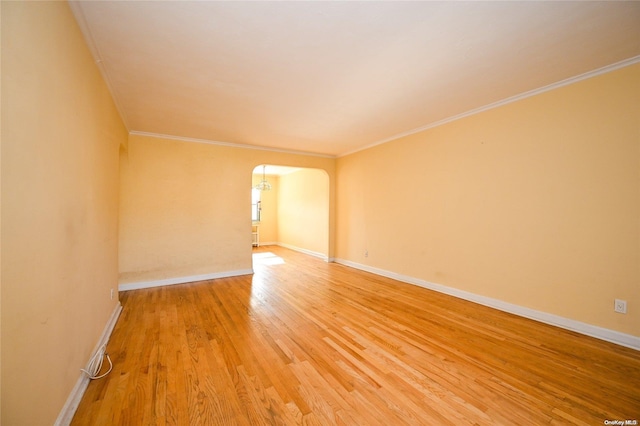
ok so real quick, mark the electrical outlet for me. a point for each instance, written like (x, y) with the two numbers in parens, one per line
(111, 294)
(366, 253)
(620, 306)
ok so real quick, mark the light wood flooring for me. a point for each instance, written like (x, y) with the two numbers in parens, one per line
(306, 342)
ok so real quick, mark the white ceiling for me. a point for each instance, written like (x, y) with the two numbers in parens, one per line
(333, 77)
(273, 170)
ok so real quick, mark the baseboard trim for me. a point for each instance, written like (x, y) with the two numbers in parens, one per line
(612, 336)
(267, 243)
(183, 280)
(70, 407)
(305, 251)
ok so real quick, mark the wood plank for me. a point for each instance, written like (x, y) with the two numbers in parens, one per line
(309, 342)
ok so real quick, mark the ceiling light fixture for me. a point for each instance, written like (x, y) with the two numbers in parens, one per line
(263, 185)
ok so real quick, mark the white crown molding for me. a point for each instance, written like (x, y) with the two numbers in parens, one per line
(182, 280)
(78, 13)
(230, 144)
(530, 93)
(612, 336)
(73, 401)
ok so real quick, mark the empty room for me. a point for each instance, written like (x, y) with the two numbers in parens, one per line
(319, 213)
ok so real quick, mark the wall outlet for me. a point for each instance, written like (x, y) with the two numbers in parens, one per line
(366, 253)
(111, 294)
(620, 306)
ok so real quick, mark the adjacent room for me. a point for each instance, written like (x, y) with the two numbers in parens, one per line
(319, 213)
(290, 208)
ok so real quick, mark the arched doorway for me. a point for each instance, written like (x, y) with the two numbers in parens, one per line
(294, 213)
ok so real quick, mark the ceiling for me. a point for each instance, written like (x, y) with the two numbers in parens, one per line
(334, 77)
(273, 170)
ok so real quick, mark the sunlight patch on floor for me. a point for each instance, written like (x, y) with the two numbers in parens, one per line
(267, 258)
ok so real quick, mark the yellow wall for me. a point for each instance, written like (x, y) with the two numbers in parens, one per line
(60, 140)
(535, 203)
(0, 220)
(303, 211)
(185, 207)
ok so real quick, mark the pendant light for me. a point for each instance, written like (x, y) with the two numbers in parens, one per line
(263, 185)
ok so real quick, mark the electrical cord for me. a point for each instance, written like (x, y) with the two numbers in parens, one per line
(95, 364)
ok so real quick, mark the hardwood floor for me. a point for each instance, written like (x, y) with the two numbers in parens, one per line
(306, 342)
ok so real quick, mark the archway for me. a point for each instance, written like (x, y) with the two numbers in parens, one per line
(294, 213)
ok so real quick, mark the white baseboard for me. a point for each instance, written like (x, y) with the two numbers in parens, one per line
(183, 280)
(70, 407)
(612, 336)
(305, 251)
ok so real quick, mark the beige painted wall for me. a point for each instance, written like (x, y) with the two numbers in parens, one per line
(269, 216)
(60, 140)
(0, 220)
(185, 206)
(536, 203)
(303, 210)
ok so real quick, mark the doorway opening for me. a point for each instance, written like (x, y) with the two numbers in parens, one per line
(294, 212)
